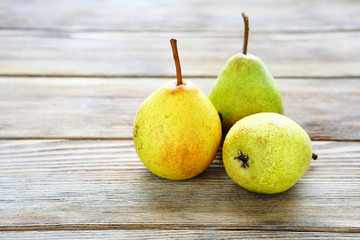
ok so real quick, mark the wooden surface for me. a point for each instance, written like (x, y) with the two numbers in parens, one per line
(105, 108)
(73, 74)
(174, 234)
(143, 54)
(95, 183)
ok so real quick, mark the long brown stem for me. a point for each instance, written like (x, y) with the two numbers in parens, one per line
(177, 62)
(246, 35)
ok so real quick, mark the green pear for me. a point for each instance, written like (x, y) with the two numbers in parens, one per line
(177, 130)
(266, 153)
(244, 87)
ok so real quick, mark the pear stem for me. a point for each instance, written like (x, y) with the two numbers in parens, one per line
(246, 35)
(177, 62)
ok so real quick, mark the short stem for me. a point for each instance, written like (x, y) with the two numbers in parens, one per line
(246, 35)
(314, 156)
(177, 62)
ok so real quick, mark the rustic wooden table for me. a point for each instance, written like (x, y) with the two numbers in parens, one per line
(73, 74)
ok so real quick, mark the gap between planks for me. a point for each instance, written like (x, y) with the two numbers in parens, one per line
(314, 138)
(141, 30)
(163, 76)
(94, 227)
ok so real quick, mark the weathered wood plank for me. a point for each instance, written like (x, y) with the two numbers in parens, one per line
(147, 54)
(64, 183)
(106, 108)
(174, 234)
(186, 15)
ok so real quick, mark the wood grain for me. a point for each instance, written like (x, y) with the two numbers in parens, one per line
(103, 184)
(174, 234)
(199, 15)
(134, 54)
(106, 108)
(71, 71)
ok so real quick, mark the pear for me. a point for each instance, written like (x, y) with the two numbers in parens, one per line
(266, 153)
(177, 130)
(244, 87)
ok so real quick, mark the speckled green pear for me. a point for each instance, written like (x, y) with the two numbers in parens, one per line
(266, 153)
(177, 131)
(244, 87)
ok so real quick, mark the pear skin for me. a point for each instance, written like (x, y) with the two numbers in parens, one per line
(266, 153)
(177, 131)
(244, 87)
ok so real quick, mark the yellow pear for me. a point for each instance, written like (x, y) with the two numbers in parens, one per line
(177, 130)
(267, 153)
